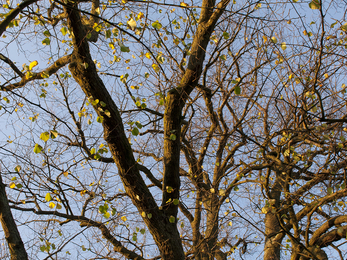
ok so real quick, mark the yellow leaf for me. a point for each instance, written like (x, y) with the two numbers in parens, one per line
(33, 64)
(148, 55)
(265, 210)
(132, 24)
(140, 15)
(65, 174)
(315, 4)
(124, 218)
(12, 185)
(156, 67)
(48, 197)
(183, 4)
(51, 205)
(265, 39)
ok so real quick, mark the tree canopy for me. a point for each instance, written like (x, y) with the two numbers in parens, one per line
(173, 130)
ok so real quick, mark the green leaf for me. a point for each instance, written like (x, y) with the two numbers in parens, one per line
(92, 151)
(149, 215)
(176, 201)
(38, 148)
(138, 124)
(100, 119)
(155, 67)
(46, 41)
(330, 190)
(102, 103)
(173, 137)
(17, 168)
(237, 90)
(107, 215)
(53, 134)
(226, 35)
(344, 27)
(315, 4)
(95, 102)
(63, 31)
(44, 136)
(142, 231)
(107, 113)
(172, 219)
(46, 33)
(157, 25)
(123, 48)
(135, 131)
(48, 197)
(108, 34)
(19, 186)
(273, 39)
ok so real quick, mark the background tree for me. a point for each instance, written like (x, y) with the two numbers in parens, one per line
(175, 130)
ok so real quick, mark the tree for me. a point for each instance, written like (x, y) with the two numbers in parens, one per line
(174, 130)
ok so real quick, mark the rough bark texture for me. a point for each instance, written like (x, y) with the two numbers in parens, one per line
(273, 235)
(164, 233)
(273, 240)
(9, 226)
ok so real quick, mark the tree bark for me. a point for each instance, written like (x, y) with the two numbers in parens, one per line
(273, 238)
(9, 226)
(273, 234)
(84, 72)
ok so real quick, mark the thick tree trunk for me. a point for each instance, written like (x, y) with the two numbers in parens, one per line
(83, 70)
(9, 226)
(273, 234)
(273, 238)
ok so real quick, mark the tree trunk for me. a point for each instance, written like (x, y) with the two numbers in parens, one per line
(273, 234)
(83, 69)
(273, 238)
(9, 226)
